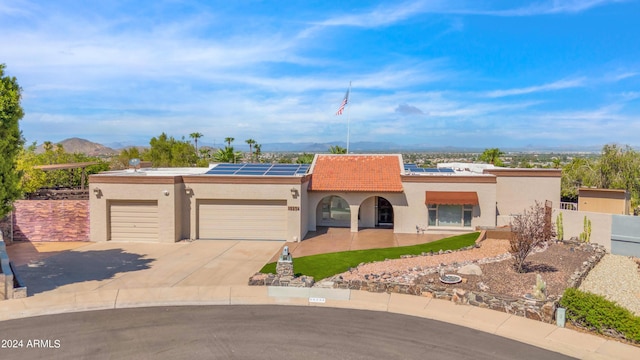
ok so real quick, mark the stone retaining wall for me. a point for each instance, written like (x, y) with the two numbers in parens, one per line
(51, 220)
(260, 279)
(529, 308)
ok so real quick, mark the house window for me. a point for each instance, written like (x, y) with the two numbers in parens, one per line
(450, 215)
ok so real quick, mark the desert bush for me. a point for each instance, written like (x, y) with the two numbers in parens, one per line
(596, 313)
(528, 231)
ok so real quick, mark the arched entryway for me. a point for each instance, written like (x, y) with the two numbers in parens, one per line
(376, 211)
(333, 211)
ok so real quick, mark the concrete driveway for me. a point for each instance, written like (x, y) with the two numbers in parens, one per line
(113, 265)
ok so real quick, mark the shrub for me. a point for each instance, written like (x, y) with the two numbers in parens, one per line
(529, 230)
(594, 312)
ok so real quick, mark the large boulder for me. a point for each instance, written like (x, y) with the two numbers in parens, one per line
(470, 269)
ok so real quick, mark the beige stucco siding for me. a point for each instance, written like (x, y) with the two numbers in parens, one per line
(102, 194)
(514, 194)
(415, 212)
(604, 201)
(271, 192)
(573, 224)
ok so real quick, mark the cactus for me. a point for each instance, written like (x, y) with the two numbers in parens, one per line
(540, 288)
(585, 235)
(560, 227)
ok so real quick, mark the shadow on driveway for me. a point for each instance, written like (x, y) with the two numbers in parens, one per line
(78, 266)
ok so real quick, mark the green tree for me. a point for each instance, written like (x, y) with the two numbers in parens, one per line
(250, 142)
(34, 179)
(227, 155)
(229, 140)
(123, 158)
(337, 150)
(492, 156)
(616, 168)
(619, 168)
(257, 148)
(166, 151)
(577, 173)
(305, 159)
(195, 136)
(10, 140)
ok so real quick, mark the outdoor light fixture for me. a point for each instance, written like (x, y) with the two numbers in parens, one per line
(166, 193)
(188, 191)
(294, 192)
(96, 191)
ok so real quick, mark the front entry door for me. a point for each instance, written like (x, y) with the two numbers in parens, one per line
(385, 213)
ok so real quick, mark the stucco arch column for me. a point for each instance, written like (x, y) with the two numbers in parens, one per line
(354, 217)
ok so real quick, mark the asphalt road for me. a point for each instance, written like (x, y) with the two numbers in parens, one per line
(251, 332)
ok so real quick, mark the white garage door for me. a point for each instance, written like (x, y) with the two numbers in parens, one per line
(242, 219)
(133, 220)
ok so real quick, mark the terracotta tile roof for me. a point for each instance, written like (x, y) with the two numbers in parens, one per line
(356, 173)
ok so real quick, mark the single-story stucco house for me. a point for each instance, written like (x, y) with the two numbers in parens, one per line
(285, 201)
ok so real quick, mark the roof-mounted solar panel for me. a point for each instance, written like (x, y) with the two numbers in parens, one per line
(260, 169)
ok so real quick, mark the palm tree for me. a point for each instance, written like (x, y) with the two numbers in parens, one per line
(195, 136)
(228, 140)
(250, 142)
(337, 150)
(227, 155)
(258, 149)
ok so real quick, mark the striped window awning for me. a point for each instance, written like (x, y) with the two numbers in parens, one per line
(452, 198)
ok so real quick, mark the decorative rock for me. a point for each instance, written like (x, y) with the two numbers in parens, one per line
(483, 287)
(471, 269)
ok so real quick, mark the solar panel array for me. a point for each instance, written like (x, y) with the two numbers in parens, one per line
(415, 169)
(260, 169)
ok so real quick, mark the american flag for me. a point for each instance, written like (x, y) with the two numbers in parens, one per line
(345, 101)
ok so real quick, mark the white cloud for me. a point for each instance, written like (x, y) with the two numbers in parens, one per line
(557, 85)
(390, 14)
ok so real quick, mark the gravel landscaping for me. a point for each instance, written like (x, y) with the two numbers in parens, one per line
(616, 277)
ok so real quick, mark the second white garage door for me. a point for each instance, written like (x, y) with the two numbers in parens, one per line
(242, 219)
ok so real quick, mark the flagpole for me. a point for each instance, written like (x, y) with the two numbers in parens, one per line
(348, 118)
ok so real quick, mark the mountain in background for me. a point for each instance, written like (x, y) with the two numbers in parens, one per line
(74, 145)
(82, 146)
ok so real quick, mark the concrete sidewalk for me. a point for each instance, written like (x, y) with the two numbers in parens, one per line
(121, 275)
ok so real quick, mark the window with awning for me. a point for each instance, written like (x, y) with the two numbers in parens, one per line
(451, 208)
(451, 198)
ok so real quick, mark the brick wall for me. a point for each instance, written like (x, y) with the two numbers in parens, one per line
(51, 220)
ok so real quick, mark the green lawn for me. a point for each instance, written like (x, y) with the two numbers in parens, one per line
(325, 265)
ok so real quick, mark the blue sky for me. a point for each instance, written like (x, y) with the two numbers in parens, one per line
(479, 73)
